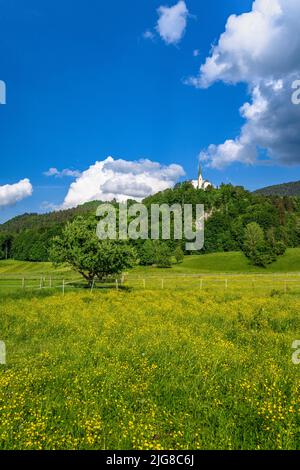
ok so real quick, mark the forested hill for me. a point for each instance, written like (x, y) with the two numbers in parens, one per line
(44, 221)
(231, 209)
(286, 189)
(28, 237)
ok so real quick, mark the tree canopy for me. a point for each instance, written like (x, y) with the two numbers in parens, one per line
(80, 248)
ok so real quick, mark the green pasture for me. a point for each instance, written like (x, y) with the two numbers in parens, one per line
(234, 262)
(149, 369)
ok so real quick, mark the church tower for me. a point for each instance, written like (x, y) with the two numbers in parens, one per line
(200, 177)
(201, 183)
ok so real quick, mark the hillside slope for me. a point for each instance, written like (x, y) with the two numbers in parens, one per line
(213, 263)
(44, 221)
(285, 189)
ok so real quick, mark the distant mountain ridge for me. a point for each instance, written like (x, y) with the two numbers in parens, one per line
(285, 189)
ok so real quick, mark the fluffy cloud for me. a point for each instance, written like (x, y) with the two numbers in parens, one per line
(148, 35)
(259, 44)
(10, 194)
(172, 22)
(60, 174)
(122, 180)
(261, 48)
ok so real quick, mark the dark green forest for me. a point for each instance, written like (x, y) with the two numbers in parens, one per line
(28, 237)
(230, 209)
(285, 189)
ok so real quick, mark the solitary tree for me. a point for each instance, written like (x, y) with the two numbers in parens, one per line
(80, 248)
(259, 250)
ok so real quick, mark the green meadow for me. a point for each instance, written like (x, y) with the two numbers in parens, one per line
(151, 368)
(234, 262)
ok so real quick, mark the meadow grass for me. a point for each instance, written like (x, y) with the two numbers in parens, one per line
(233, 262)
(150, 369)
(26, 268)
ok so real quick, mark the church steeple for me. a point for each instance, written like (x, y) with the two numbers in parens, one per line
(200, 177)
(199, 170)
(201, 183)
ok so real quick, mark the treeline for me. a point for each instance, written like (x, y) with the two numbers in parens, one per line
(229, 210)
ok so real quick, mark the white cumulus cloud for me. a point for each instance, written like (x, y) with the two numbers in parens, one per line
(262, 49)
(10, 194)
(121, 180)
(172, 22)
(60, 174)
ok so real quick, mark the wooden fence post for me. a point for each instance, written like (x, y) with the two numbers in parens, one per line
(63, 287)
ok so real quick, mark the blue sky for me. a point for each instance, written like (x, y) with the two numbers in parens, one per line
(83, 83)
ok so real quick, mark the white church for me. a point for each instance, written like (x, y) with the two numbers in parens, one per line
(201, 183)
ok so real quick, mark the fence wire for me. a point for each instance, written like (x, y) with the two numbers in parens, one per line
(205, 283)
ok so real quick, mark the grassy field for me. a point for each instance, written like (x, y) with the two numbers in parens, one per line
(195, 273)
(214, 263)
(152, 368)
(149, 370)
(25, 268)
(234, 262)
